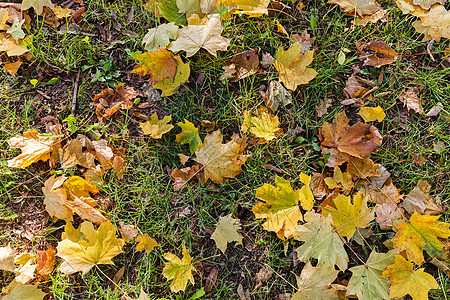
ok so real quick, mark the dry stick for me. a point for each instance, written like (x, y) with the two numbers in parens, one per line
(75, 93)
(370, 91)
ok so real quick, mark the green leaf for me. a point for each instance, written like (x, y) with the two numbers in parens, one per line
(189, 135)
(169, 10)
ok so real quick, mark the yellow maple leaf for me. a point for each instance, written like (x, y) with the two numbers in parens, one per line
(38, 5)
(226, 232)
(291, 65)
(370, 114)
(219, 160)
(407, 281)
(4, 17)
(16, 290)
(169, 87)
(155, 127)
(61, 13)
(420, 233)
(361, 7)
(14, 48)
(193, 37)
(348, 217)
(341, 180)
(252, 8)
(189, 135)
(145, 242)
(306, 194)
(280, 207)
(264, 125)
(159, 65)
(89, 248)
(34, 148)
(435, 24)
(180, 270)
(55, 200)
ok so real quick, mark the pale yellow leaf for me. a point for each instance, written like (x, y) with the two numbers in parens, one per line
(226, 232)
(155, 127)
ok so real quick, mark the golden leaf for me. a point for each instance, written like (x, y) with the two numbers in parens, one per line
(155, 127)
(370, 114)
(145, 242)
(252, 8)
(263, 126)
(180, 270)
(361, 7)
(159, 65)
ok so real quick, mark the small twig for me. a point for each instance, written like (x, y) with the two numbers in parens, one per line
(430, 43)
(75, 93)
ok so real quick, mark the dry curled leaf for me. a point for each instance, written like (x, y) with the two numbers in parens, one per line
(410, 99)
(376, 54)
(109, 100)
(242, 66)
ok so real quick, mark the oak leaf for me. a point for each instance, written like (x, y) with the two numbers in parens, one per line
(85, 247)
(193, 37)
(370, 114)
(169, 87)
(38, 5)
(109, 100)
(321, 241)
(292, 66)
(226, 232)
(180, 270)
(34, 148)
(252, 8)
(421, 232)
(315, 283)
(366, 281)
(160, 64)
(280, 207)
(263, 126)
(407, 281)
(16, 290)
(156, 127)
(145, 242)
(219, 160)
(360, 7)
(160, 36)
(189, 135)
(358, 140)
(347, 216)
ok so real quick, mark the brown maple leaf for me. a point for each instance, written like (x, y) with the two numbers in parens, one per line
(109, 101)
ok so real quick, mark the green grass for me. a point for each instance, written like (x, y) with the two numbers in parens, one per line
(145, 198)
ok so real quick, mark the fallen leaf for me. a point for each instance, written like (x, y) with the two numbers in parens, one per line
(55, 201)
(435, 24)
(12, 68)
(366, 281)
(353, 92)
(14, 48)
(363, 168)
(421, 232)
(145, 242)
(252, 8)
(419, 200)
(361, 7)
(376, 54)
(306, 194)
(379, 15)
(7, 259)
(73, 155)
(193, 37)
(280, 207)
(340, 180)
(208, 125)
(315, 283)
(426, 4)
(219, 160)
(275, 95)
(155, 127)
(169, 87)
(281, 29)
(189, 135)
(169, 10)
(37, 5)
(128, 231)
(182, 176)
(91, 247)
(358, 140)
(180, 270)
(25, 273)
(347, 217)
(226, 232)
(34, 148)
(262, 276)
(370, 114)
(407, 281)
(291, 66)
(109, 100)
(242, 66)
(211, 280)
(45, 261)
(435, 110)
(160, 36)
(160, 64)
(61, 13)
(410, 99)
(16, 290)
(321, 241)
(188, 7)
(323, 106)
(264, 125)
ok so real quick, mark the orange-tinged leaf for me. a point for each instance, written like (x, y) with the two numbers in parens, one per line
(292, 66)
(421, 232)
(145, 242)
(220, 161)
(407, 281)
(45, 261)
(420, 200)
(376, 54)
(109, 100)
(180, 270)
(83, 207)
(159, 65)
(91, 247)
(362, 168)
(347, 216)
(280, 207)
(263, 126)
(61, 13)
(370, 114)
(182, 176)
(156, 127)
(12, 68)
(14, 48)
(169, 87)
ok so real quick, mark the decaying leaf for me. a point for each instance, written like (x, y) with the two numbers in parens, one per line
(160, 64)
(419, 200)
(358, 140)
(347, 217)
(242, 65)
(12, 68)
(280, 207)
(109, 100)
(7, 259)
(193, 37)
(363, 168)
(366, 281)
(128, 231)
(421, 232)
(16, 290)
(37, 5)
(85, 247)
(169, 87)
(353, 92)
(435, 24)
(145, 242)
(34, 148)
(376, 54)
(264, 125)
(220, 161)
(226, 232)
(160, 36)
(45, 261)
(275, 95)
(410, 99)
(407, 281)
(156, 127)
(189, 135)
(182, 176)
(292, 66)
(321, 241)
(180, 270)
(315, 283)
(360, 7)
(370, 114)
